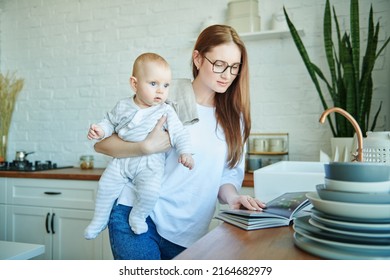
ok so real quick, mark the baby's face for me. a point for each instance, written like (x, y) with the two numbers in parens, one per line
(153, 84)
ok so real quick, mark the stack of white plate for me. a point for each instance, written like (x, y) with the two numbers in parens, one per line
(350, 218)
(243, 15)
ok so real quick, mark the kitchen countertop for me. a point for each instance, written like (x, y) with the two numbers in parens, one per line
(19, 251)
(80, 174)
(61, 174)
(248, 180)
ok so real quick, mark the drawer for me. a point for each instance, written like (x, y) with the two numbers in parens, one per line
(52, 193)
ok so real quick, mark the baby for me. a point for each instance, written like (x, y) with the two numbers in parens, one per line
(132, 119)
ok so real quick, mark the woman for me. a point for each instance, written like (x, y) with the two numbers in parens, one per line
(187, 199)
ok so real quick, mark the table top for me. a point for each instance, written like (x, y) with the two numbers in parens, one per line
(227, 242)
(10, 250)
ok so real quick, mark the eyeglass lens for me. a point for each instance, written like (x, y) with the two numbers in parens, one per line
(220, 66)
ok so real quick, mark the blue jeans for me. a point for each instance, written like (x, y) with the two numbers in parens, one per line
(126, 245)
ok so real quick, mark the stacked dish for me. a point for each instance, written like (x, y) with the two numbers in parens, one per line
(350, 217)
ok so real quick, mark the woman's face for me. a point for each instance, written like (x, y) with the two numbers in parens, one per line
(225, 55)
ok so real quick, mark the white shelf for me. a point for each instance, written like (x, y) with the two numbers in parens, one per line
(268, 34)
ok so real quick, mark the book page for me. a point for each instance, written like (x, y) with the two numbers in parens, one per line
(286, 204)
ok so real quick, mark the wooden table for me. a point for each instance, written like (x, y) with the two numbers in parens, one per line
(227, 242)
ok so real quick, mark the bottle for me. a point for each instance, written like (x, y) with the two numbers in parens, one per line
(86, 162)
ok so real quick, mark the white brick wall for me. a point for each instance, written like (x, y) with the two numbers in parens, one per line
(76, 57)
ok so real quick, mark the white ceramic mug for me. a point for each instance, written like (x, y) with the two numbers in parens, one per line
(260, 145)
(276, 145)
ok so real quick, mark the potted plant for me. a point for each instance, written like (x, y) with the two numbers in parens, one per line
(9, 90)
(350, 86)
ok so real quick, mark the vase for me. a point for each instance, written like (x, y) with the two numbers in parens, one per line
(343, 148)
(3, 148)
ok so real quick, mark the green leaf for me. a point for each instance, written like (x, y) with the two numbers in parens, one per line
(305, 57)
(329, 46)
(355, 41)
(367, 68)
(351, 84)
(376, 117)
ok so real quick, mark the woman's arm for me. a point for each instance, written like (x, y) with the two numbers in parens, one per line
(156, 142)
(229, 195)
(116, 147)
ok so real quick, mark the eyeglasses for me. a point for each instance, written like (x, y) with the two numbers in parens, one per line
(220, 66)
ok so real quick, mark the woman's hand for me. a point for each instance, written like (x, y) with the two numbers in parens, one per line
(246, 201)
(158, 140)
(228, 194)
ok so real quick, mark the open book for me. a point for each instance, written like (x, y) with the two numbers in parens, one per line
(280, 211)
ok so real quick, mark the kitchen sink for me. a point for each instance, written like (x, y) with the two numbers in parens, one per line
(287, 176)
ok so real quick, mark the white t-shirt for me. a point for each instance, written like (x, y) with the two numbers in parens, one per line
(188, 197)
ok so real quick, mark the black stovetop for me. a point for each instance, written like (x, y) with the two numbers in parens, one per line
(30, 166)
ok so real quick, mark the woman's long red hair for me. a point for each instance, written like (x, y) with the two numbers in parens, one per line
(232, 107)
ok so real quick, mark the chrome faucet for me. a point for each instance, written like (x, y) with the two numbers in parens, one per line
(354, 124)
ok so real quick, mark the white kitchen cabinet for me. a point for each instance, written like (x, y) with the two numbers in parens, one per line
(27, 225)
(60, 230)
(3, 213)
(54, 213)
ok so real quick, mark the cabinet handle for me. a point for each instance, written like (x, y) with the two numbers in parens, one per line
(52, 223)
(53, 193)
(47, 223)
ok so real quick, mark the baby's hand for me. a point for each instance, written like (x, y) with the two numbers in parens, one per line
(95, 132)
(186, 160)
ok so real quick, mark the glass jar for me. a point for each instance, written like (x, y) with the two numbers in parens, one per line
(86, 162)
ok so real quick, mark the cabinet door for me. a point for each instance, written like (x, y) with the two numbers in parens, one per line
(2, 208)
(68, 237)
(3, 213)
(30, 225)
(3, 190)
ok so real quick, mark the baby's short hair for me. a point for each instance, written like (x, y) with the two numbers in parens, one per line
(145, 58)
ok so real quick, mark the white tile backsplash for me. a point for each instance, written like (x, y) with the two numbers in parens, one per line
(76, 57)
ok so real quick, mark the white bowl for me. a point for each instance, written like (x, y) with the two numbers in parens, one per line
(345, 210)
(353, 197)
(362, 187)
